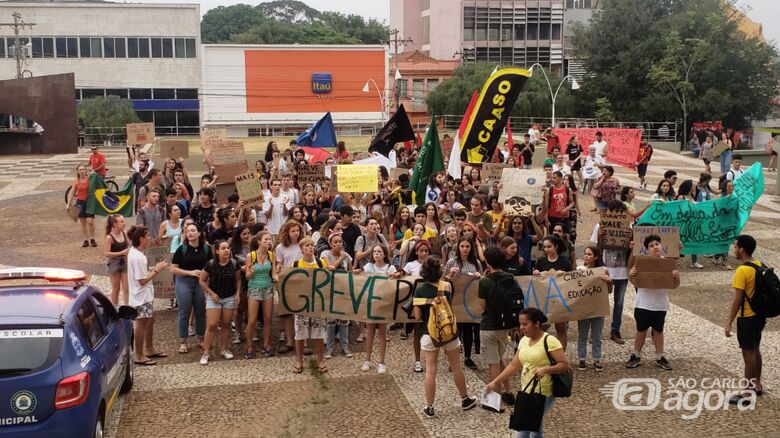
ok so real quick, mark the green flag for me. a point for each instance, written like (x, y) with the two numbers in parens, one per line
(102, 201)
(429, 162)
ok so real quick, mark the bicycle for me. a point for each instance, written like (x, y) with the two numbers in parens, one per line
(110, 181)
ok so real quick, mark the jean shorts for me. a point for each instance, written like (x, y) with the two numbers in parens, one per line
(224, 303)
(261, 294)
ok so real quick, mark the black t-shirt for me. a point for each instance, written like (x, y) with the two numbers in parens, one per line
(514, 267)
(544, 264)
(222, 279)
(528, 155)
(488, 291)
(350, 236)
(428, 291)
(202, 216)
(190, 258)
(574, 150)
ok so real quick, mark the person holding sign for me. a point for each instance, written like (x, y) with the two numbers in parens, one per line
(466, 262)
(591, 259)
(650, 307)
(309, 327)
(380, 264)
(608, 187)
(337, 258)
(558, 201)
(552, 262)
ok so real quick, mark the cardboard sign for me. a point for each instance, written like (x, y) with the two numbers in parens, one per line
(228, 152)
(622, 144)
(396, 172)
(249, 189)
(223, 192)
(568, 296)
(670, 240)
(492, 171)
(718, 149)
(227, 173)
(436, 244)
(211, 137)
(157, 251)
(654, 272)
(521, 190)
(140, 133)
(357, 178)
(174, 149)
(311, 174)
(615, 230)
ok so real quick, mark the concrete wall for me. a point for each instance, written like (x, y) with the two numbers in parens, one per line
(405, 15)
(106, 20)
(446, 28)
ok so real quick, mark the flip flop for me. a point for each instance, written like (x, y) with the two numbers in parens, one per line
(147, 362)
(297, 369)
(183, 350)
(157, 355)
(322, 369)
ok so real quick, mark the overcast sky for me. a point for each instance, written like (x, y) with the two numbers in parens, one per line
(761, 11)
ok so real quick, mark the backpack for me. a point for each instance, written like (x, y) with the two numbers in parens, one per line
(766, 295)
(253, 257)
(509, 299)
(442, 326)
(184, 247)
(317, 259)
(723, 178)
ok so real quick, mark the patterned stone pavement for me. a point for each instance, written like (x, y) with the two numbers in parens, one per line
(261, 397)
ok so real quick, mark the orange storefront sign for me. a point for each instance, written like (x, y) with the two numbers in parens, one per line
(280, 81)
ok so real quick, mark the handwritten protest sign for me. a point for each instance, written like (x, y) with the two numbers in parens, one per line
(140, 133)
(492, 171)
(622, 144)
(718, 149)
(211, 137)
(311, 174)
(569, 296)
(228, 152)
(160, 250)
(249, 189)
(227, 173)
(615, 230)
(174, 149)
(748, 187)
(654, 272)
(522, 189)
(357, 178)
(670, 240)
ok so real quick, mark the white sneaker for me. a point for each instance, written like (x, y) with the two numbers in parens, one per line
(204, 360)
(329, 355)
(191, 331)
(697, 265)
(366, 366)
(381, 369)
(418, 367)
(227, 355)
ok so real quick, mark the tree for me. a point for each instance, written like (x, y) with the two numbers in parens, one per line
(112, 111)
(603, 111)
(646, 56)
(220, 24)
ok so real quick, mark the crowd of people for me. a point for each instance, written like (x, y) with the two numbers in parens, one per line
(228, 257)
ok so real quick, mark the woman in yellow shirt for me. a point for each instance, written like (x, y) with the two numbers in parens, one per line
(533, 360)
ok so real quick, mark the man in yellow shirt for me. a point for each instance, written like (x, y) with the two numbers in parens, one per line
(749, 325)
(419, 217)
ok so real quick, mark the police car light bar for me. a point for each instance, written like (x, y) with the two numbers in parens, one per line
(50, 274)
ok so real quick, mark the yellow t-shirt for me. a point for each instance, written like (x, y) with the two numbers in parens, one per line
(745, 279)
(313, 265)
(533, 357)
(427, 235)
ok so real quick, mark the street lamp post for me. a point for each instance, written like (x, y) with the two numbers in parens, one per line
(554, 96)
(366, 89)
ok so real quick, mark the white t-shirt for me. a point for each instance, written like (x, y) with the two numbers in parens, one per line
(413, 268)
(590, 170)
(616, 261)
(137, 165)
(565, 169)
(137, 269)
(286, 255)
(277, 218)
(600, 147)
(532, 132)
(652, 299)
(732, 174)
(387, 269)
(292, 193)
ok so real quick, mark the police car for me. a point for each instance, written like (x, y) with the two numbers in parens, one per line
(65, 354)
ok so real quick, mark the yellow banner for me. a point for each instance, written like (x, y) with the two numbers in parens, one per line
(357, 178)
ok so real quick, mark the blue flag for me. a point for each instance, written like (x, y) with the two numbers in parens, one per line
(319, 135)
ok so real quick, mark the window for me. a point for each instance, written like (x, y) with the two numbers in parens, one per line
(506, 33)
(187, 93)
(432, 84)
(520, 32)
(426, 29)
(146, 116)
(402, 87)
(165, 118)
(101, 303)
(426, 4)
(190, 44)
(78, 94)
(48, 47)
(119, 92)
(97, 47)
(119, 47)
(143, 47)
(167, 47)
(132, 47)
(85, 48)
(88, 93)
(108, 47)
(493, 31)
(164, 93)
(181, 52)
(544, 31)
(88, 319)
(556, 31)
(73, 47)
(188, 118)
(156, 47)
(37, 48)
(2, 47)
(418, 92)
(140, 93)
(481, 34)
(532, 31)
(62, 48)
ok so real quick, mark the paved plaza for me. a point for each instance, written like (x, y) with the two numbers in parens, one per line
(263, 398)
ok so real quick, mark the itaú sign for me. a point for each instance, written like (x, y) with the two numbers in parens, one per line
(321, 83)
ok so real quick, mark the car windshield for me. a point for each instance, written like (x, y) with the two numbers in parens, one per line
(28, 349)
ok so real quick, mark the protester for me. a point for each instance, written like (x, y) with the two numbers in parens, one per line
(591, 170)
(220, 279)
(285, 254)
(239, 241)
(642, 161)
(664, 192)
(309, 327)
(80, 191)
(151, 215)
(275, 208)
(527, 150)
(172, 226)
(558, 201)
(600, 145)
(725, 156)
(705, 154)
(115, 249)
(650, 309)
(750, 325)
(417, 258)
(466, 263)
(736, 171)
(97, 162)
(140, 278)
(337, 258)
(188, 261)
(261, 274)
(431, 274)
(591, 259)
(532, 358)
(554, 260)
(608, 188)
(204, 211)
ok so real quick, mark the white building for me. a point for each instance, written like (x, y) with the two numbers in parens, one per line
(149, 53)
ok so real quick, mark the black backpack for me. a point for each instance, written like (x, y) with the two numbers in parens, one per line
(723, 178)
(509, 299)
(766, 294)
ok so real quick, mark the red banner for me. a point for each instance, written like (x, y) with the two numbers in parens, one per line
(712, 125)
(622, 144)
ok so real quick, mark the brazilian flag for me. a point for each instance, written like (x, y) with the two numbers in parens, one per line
(102, 201)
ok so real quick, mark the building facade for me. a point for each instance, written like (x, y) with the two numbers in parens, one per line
(420, 74)
(506, 32)
(148, 53)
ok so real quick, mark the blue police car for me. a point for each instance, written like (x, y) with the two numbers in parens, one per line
(66, 353)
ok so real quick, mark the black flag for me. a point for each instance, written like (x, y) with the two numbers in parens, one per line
(398, 128)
